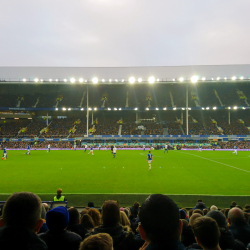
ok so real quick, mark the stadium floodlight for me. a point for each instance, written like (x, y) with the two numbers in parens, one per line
(69, 109)
(24, 80)
(156, 108)
(214, 108)
(82, 109)
(158, 80)
(139, 80)
(234, 78)
(65, 80)
(164, 108)
(56, 80)
(29, 118)
(135, 108)
(131, 80)
(122, 80)
(2, 118)
(212, 79)
(173, 80)
(189, 108)
(229, 107)
(194, 79)
(174, 108)
(63, 109)
(72, 80)
(95, 80)
(41, 80)
(110, 80)
(203, 108)
(225, 78)
(147, 108)
(241, 78)
(90, 108)
(181, 79)
(203, 78)
(81, 80)
(151, 79)
(120, 108)
(95, 108)
(56, 109)
(109, 108)
(86, 80)
(16, 118)
(116, 80)
(50, 80)
(207, 108)
(103, 80)
(115, 108)
(235, 107)
(243, 108)
(183, 108)
(36, 80)
(218, 78)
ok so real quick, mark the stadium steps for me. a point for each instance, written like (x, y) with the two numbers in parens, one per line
(120, 130)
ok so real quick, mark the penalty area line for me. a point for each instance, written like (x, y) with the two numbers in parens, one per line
(217, 162)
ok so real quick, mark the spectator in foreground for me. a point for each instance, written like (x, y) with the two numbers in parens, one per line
(19, 229)
(59, 196)
(160, 225)
(101, 241)
(238, 226)
(46, 206)
(213, 207)
(74, 220)
(57, 237)
(200, 205)
(110, 225)
(135, 209)
(206, 232)
(44, 227)
(87, 222)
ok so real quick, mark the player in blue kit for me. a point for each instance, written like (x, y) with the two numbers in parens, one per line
(28, 150)
(149, 159)
(91, 150)
(235, 150)
(4, 154)
(200, 148)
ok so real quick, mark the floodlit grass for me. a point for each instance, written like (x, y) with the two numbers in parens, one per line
(178, 172)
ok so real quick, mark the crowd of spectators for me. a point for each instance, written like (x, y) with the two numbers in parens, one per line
(158, 224)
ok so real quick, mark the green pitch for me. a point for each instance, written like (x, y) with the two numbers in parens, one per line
(76, 172)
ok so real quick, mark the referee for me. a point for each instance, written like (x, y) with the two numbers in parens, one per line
(112, 149)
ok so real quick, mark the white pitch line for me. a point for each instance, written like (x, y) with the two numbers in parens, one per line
(218, 162)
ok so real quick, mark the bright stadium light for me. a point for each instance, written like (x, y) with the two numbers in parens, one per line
(135, 108)
(181, 79)
(95, 80)
(173, 80)
(110, 80)
(235, 107)
(90, 108)
(82, 109)
(207, 108)
(189, 108)
(229, 107)
(156, 109)
(203, 108)
(174, 108)
(218, 78)
(86, 80)
(109, 108)
(72, 80)
(65, 80)
(103, 80)
(241, 78)
(69, 109)
(56, 109)
(36, 80)
(194, 79)
(151, 79)
(115, 108)
(203, 78)
(212, 79)
(122, 80)
(116, 80)
(131, 80)
(81, 80)
(225, 78)
(56, 80)
(120, 108)
(158, 80)
(234, 78)
(214, 108)
(95, 108)
(139, 80)
(63, 109)
(24, 80)
(183, 108)
(50, 80)
(164, 108)
(243, 108)
(147, 108)
(41, 80)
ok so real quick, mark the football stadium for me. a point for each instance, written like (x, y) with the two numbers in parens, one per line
(125, 125)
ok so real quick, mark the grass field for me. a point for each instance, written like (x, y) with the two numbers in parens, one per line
(76, 172)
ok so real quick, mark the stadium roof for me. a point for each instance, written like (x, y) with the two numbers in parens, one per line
(164, 74)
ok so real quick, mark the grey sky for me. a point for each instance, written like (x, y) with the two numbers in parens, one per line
(105, 33)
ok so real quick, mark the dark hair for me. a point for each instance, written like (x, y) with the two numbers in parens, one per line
(233, 203)
(190, 212)
(95, 215)
(198, 211)
(199, 200)
(28, 206)
(205, 211)
(136, 205)
(110, 213)
(159, 217)
(73, 216)
(87, 222)
(206, 230)
(226, 210)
